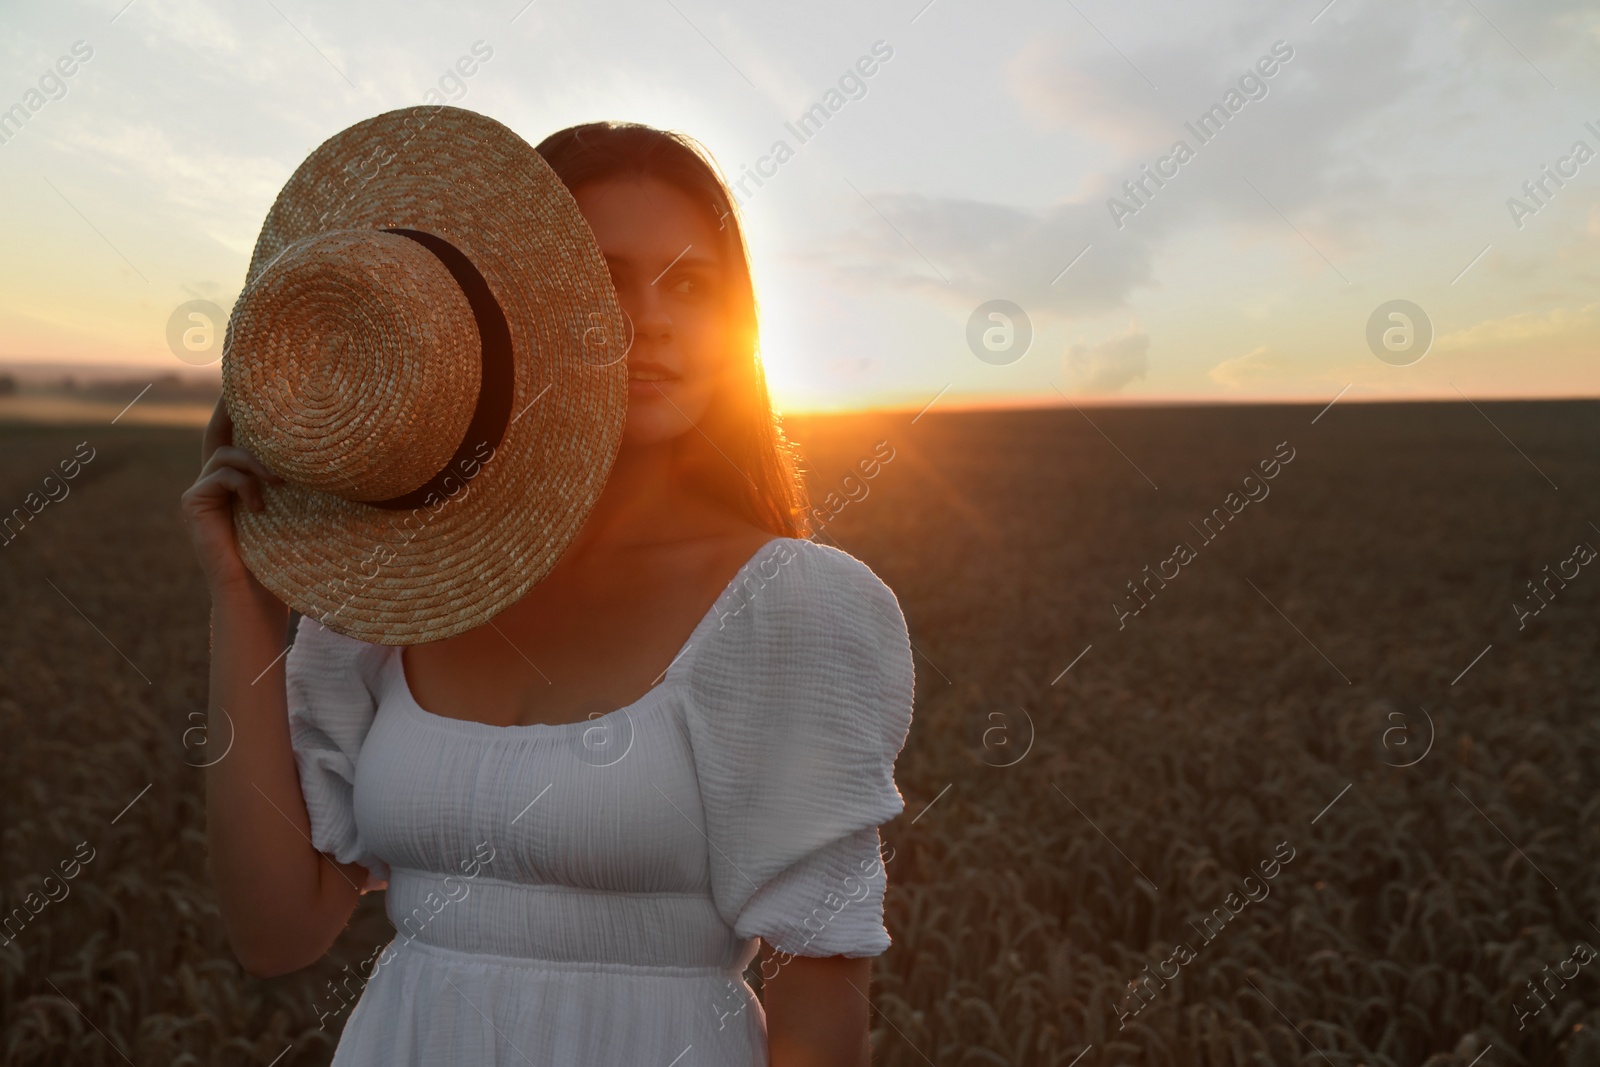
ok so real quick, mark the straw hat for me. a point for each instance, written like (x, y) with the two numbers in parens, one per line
(429, 349)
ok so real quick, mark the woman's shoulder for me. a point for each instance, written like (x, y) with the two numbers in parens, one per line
(805, 576)
(322, 658)
(803, 600)
(826, 565)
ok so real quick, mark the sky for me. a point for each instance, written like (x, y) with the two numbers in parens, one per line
(1444, 153)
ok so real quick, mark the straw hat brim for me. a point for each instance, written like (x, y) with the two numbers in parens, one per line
(401, 577)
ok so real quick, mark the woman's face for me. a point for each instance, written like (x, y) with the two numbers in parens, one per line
(666, 263)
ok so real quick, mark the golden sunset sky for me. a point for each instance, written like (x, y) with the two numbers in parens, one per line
(977, 162)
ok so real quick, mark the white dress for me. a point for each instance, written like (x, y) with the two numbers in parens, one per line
(589, 893)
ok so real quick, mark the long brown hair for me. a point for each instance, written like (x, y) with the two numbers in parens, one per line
(740, 455)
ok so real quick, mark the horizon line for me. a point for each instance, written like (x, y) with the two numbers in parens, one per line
(101, 373)
(1046, 402)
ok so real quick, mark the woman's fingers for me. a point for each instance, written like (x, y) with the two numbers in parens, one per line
(219, 432)
(217, 449)
(233, 480)
(228, 456)
(211, 491)
(208, 505)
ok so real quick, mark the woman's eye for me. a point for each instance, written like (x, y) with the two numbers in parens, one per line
(695, 282)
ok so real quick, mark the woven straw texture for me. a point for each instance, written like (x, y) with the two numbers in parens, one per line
(351, 366)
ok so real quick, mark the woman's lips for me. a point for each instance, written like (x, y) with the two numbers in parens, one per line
(648, 386)
(649, 380)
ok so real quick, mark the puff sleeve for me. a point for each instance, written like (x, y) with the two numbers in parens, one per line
(800, 700)
(331, 683)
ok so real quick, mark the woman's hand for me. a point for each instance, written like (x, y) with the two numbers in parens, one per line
(225, 471)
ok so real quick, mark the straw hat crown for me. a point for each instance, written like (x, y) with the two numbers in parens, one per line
(366, 363)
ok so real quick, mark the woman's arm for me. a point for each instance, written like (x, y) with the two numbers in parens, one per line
(282, 901)
(817, 1011)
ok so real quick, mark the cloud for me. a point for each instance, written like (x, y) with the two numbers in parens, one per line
(1308, 146)
(1317, 145)
(1256, 367)
(1108, 365)
(1552, 353)
(192, 25)
(218, 192)
(1058, 87)
(964, 252)
(1557, 327)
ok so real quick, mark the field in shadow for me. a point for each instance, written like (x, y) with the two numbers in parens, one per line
(1207, 767)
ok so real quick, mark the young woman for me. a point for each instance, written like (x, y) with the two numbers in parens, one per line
(674, 751)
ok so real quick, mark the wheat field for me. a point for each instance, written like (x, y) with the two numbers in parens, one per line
(1321, 789)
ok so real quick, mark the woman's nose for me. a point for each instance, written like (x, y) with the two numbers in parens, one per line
(649, 313)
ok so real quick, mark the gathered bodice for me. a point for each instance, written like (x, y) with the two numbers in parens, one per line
(595, 855)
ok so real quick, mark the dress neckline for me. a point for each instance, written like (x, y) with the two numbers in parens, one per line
(668, 677)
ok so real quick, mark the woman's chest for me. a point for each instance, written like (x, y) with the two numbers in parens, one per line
(574, 646)
(608, 804)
